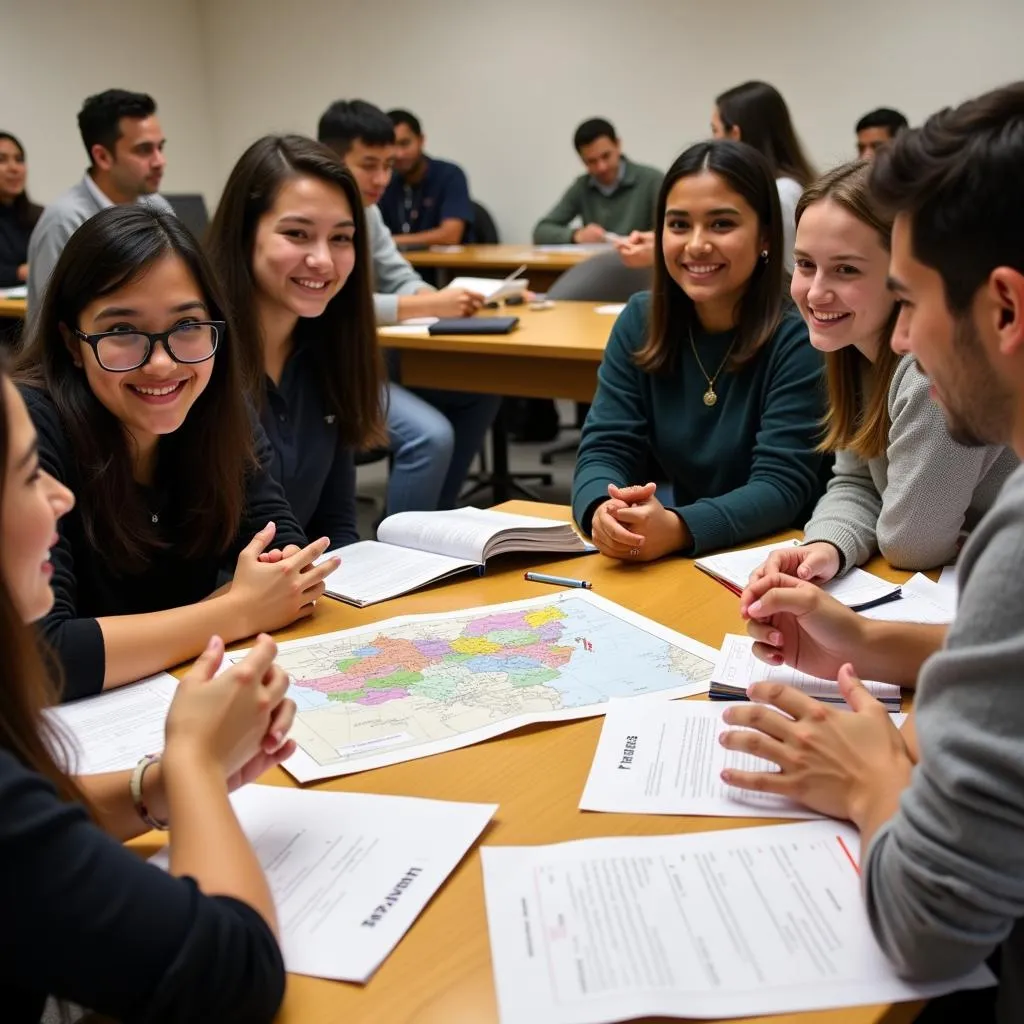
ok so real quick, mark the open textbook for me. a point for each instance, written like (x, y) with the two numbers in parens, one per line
(416, 548)
(416, 685)
(664, 757)
(857, 589)
(736, 668)
(732, 923)
(350, 872)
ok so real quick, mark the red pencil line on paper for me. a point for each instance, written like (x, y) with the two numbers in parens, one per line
(846, 850)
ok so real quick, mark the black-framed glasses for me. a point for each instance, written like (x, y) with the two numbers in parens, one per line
(120, 351)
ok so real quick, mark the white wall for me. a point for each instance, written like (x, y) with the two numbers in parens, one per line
(54, 53)
(500, 86)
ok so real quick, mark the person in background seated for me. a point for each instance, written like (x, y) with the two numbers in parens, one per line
(941, 819)
(427, 200)
(901, 485)
(132, 376)
(754, 113)
(710, 373)
(876, 129)
(18, 214)
(288, 241)
(616, 196)
(88, 921)
(434, 434)
(125, 144)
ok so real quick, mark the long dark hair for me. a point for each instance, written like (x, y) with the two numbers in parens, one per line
(26, 212)
(344, 338)
(26, 687)
(673, 313)
(761, 114)
(856, 420)
(204, 463)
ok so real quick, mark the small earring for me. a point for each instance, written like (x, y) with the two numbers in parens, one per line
(764, 255)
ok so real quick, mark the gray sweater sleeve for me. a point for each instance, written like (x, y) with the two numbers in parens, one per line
(944, 878)
(930, 484)
(393, 275)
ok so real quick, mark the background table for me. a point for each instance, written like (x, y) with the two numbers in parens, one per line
(13, 308)
(440, 973)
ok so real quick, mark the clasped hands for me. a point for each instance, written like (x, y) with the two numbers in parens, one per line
(848, 764)
(634, 526)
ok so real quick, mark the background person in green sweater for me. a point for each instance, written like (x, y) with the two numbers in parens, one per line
(615, 196)
(711, 373)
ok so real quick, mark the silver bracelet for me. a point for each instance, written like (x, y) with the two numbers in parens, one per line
(135, 788)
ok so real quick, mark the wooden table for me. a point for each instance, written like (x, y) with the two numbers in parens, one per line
(440, 973)
(13, 308)
(553, 353)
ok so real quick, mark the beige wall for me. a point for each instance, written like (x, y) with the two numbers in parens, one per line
(499, 86)
(54, 53)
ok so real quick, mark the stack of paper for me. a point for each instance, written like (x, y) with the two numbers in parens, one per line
(663, 757)
(493, 289)
(737, 669)
(921, 601)
(350, 872)
(733, 923)
(857, 589)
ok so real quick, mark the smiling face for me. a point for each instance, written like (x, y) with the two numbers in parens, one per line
(32, 503)
(154, 399)
(303, 251)
(978, 405)
(12, 171)
(710, 242)
(839, 281)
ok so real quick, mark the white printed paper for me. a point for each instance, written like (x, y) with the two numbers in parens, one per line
(921, 601)
(730, 923)
(350, 872)
(664, 757)
(117, 728)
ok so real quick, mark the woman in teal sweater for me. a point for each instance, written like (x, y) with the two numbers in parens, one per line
(711, 374)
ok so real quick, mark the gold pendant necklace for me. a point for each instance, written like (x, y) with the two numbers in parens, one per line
(710, 398)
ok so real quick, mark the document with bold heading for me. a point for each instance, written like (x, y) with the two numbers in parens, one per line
(731, 923)
(350, 872)
(737, 668)
(115, 729)
(663, 757)
(857, 589)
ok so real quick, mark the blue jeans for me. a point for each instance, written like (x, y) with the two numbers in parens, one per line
(434, 437)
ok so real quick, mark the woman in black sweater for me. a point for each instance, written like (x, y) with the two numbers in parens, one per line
(131, 377)
(18, 214)
(84, 919)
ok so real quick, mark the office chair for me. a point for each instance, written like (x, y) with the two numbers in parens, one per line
(484, 230)
(190, 209)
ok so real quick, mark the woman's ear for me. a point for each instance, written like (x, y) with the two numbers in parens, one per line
(72, 344)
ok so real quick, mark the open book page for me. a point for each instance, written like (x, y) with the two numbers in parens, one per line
(467, 533)
(350, 872)
(664, 757)
(372, 572)
(115, 729)
(722, 924)
(737, 668)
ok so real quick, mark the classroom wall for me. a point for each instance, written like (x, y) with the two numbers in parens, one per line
(54, 53)
(500, 87)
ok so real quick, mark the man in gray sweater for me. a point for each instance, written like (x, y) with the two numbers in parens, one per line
(941, 809)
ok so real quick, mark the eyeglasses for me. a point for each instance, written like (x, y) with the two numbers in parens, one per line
(120, 351)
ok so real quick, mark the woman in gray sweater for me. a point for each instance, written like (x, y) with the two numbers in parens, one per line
(902, 486)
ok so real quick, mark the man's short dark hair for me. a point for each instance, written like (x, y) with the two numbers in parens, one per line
(958, 178)
(884, 117)
(99, 120)
(399, 116)
(592, 130)
(347, 121)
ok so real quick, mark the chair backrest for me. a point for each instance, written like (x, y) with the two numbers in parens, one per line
(191, 211)
(485, 231)
(602, 278)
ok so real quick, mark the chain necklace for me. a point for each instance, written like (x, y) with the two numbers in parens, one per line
(710, 398)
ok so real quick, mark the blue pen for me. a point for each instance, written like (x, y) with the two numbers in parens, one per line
(558, 581)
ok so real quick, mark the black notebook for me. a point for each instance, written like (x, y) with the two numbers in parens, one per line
(474, 325)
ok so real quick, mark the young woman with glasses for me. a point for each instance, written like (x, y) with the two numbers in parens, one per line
(131, 376)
